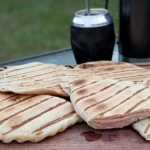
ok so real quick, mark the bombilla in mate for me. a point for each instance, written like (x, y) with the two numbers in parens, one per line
(88, 7)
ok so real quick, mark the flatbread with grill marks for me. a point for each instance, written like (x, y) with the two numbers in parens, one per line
(109, 103)
(33, 118)
(33, 78)
(143, 127)
(106, 69)
(116, 70)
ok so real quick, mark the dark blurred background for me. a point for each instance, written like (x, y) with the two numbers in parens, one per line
(30, 27)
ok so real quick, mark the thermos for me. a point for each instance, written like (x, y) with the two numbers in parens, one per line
(134, 34)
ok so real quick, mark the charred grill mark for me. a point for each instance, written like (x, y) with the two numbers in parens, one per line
(121, 71)
(95, 93)
(109, 86)
(48, 81)
(111, 64)
(34, 117)
(16, 69)
(84, 86)
(87, 66)
(53, 76)
(147, 128)
(79, 82)
(131, 109)
(104, 65)
(122, 102)
(138, 104)
(14, 95)
(75, 79)
(139, 79)
(94, 65)
(55, 121)
(24, 110)
(82, 91)
(105, 99)
(16, 103)
(131, 76)
(34, 77)
(78, 77)
(37, 82)
(40, 132)
(15, 98)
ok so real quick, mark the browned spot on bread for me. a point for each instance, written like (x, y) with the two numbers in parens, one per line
(14, 120)
(102, 106)
(89, 101)
(79, 82)
(86, 66)
(11, 95)
(84, 86)
(110, 69)
(83, 91)
(15, 98)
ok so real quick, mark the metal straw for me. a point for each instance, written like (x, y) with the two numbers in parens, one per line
(106, 4)
(88, 7)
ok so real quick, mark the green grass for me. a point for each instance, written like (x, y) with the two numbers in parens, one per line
(29, 27)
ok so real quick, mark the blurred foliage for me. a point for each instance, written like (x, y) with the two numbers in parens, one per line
(29, 27)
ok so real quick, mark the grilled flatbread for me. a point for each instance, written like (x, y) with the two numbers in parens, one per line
(33, 78)
(106, 69)
(33, 118)
(63, 81)
(143, 127)
(109, 103)
(116, 70)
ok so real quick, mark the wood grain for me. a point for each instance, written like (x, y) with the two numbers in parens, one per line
(71, 139)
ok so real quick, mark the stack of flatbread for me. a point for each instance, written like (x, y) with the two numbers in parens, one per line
(113, 95)
(31, 103)
(104, 94)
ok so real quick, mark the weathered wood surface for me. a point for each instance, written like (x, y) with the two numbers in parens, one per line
(71, 139)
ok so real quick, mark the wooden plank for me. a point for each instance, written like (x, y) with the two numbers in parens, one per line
(71, 139)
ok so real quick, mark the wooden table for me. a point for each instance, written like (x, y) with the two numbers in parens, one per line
(71, 139)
